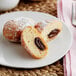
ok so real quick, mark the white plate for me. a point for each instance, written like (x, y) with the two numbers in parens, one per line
(13, 55)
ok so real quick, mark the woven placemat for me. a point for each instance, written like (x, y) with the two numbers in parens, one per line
(56, 69)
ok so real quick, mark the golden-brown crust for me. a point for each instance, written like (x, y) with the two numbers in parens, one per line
(11, 31)
(38, 27)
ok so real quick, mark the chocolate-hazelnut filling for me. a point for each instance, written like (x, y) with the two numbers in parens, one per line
(39, 43)
(53, 33)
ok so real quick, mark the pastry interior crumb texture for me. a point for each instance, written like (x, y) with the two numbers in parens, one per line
(28, 37)
(49, 30)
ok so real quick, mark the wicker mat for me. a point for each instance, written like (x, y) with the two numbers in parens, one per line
(56, 69)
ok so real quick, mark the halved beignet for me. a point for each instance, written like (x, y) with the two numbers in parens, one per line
(33, 42)
(49, 30)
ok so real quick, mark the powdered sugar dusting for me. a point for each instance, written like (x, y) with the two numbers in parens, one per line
(23, 21)
(40, 26)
